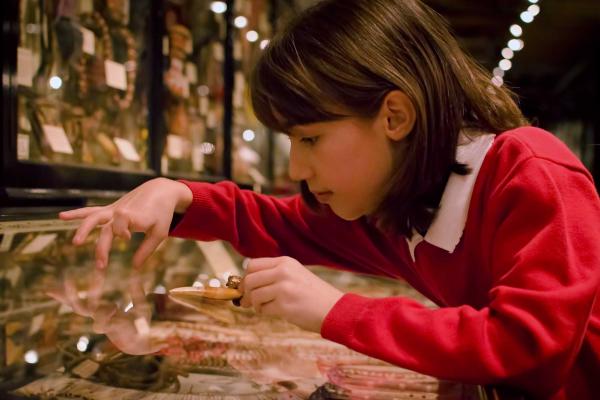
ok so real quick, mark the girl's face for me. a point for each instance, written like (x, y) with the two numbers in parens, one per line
(347, 164)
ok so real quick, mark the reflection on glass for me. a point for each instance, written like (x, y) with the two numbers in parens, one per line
(70, 330)
(82, 83)
(250, 138)
(193, 78)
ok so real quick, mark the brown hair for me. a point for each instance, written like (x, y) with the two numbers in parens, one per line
(348, 55)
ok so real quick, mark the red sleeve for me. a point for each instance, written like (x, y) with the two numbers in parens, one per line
(544, 268)
(264, 226)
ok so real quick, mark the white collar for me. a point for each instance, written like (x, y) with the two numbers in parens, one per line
(447, 227)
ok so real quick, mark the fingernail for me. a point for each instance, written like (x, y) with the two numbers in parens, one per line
(99, 264)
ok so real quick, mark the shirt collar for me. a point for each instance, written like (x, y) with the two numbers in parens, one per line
(447, 227)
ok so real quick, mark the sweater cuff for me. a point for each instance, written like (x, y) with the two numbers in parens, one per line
(200, 211)
(340, 322)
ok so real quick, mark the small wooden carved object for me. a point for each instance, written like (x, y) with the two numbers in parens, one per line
(193, 296)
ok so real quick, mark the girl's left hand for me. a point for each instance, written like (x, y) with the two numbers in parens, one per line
(283, 287)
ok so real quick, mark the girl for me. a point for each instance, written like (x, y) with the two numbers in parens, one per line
(412, 165)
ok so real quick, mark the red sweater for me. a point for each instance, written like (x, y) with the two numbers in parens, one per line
(516, 296)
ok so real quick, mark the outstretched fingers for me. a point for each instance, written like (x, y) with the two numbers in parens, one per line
(103, 246)
(78, 213)
(100, 217)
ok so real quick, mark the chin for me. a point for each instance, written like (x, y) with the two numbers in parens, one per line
(347, 215)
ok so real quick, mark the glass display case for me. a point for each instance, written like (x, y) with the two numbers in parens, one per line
(193, 105)
(101, 95)
(250, 139)
(76, 96)
(68, 330)
(96, 99)
(82, 83)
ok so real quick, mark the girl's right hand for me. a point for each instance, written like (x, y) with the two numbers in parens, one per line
(149, 208)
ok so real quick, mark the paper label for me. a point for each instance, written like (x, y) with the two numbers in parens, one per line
(6, 243)
(24, 67)
(86, 6)
(218, 258)
(197, 158)
(57, 139)
(86, 369)
(89, 41)
(22, 146)
(39, 243)
(191, 72)
(127, 149)
(175, 147)
(116, 75)
(24, 123)
(36, 324)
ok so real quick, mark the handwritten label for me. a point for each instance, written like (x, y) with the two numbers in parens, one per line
(116, 75)
(39, 243)
(57, 139)
(126, 149)
(89, 41)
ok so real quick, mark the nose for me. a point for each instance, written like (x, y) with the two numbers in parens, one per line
(299, 166)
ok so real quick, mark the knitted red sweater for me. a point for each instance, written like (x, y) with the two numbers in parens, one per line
(517, 295)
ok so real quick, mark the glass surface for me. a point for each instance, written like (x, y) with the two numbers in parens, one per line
(194, 87)
(82, 75)
(71, 331)
(250, 138)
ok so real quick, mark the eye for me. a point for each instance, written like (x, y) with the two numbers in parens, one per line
(310, 140)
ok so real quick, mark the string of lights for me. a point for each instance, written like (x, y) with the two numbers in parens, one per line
(515, 43)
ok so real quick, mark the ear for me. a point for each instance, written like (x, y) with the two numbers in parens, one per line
(397, 114)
